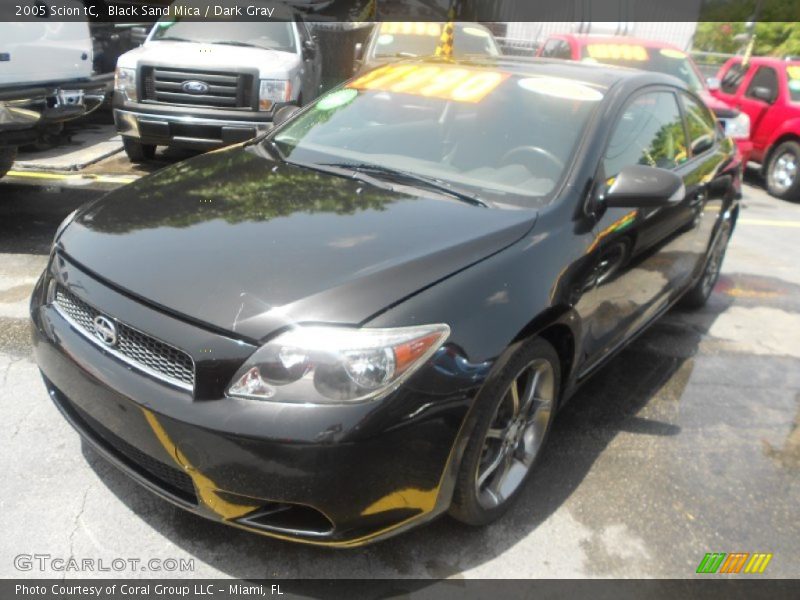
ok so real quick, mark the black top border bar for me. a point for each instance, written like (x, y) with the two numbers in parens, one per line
(349, 11)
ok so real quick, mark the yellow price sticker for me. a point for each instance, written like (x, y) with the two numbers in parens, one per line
(411, 28)
(617, 52)
(437, 81)
(793, 71)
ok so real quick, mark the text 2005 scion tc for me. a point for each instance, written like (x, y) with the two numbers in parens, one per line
(370, 317)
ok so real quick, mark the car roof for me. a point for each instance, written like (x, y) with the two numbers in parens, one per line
(592, 38)
(598, 74)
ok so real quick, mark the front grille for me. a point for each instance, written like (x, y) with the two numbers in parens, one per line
(136, 348)
(170, 479)
(225, 89)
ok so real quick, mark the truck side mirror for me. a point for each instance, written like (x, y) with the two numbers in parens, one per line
(309, 49)
(762, 93)
(713, 84)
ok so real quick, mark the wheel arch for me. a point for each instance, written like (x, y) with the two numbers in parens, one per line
(789, 136)
(559, 327)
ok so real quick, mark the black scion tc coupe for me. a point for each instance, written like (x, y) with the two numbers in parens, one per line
(368, 317)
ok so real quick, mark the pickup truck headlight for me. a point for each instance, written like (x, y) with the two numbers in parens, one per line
(335, 365)
(125, 83)
(738, 127)
(272, 91)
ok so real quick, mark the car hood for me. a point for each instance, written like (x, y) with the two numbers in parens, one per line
(247, 244)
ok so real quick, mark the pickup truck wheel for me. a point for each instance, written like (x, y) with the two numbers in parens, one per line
(699, 294)
(138, 152)
(783, 171)
(7, 156)
(511, 422)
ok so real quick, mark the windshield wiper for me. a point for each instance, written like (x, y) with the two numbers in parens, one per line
(401, 176)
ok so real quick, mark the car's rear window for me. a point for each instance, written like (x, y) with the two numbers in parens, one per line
(420, 39)
(501, 134)
(663, 60)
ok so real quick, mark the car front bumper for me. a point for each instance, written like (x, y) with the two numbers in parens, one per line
(329, 475)
(186, 130)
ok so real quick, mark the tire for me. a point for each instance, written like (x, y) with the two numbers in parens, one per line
(699, 294)
(483, 494)
(783, 171)
(8, 155)
(138, 152)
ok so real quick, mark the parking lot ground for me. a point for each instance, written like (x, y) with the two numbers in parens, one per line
(688, 442)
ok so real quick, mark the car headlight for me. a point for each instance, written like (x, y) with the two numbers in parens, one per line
(272, 91)
(125, 83)
(63, 225)
(739, 127)
(330, 365)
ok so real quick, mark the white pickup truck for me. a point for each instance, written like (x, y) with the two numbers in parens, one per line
(207, 84)
(45, 79)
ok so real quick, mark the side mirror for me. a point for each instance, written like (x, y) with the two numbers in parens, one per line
(359, 51)
(762, 93)
(713, 84)
(283, 114)
(309, 49)
(639, 186)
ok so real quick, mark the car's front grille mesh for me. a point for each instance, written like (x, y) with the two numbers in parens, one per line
(152, 355)
(223, 89)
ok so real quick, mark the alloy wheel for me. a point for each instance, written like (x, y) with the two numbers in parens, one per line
(515, 434)
(784, 171)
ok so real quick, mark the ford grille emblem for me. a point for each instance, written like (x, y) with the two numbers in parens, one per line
(195, 87)
(105, 330)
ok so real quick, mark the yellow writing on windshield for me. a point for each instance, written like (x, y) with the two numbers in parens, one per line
(617, 52)
(411, 28)
(438, 81)
(793, 71)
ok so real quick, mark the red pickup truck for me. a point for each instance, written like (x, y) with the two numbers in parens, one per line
(651, 55)
(768, 90)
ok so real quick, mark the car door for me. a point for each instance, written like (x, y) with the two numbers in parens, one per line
(760, 95)
(706, 186)
(642, 258)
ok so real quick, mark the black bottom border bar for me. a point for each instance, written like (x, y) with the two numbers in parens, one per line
(443, 589)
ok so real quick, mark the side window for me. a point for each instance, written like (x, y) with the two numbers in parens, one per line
(650, 133)
(764, 85)
(555, 48)
(702, 125)
(732, 78)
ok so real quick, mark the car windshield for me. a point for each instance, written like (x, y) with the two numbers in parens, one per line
(662, 60)
(503, 137)
(271, 35)
(421, 39)
(793, 76)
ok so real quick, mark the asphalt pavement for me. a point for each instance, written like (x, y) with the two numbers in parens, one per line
(686, 443)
